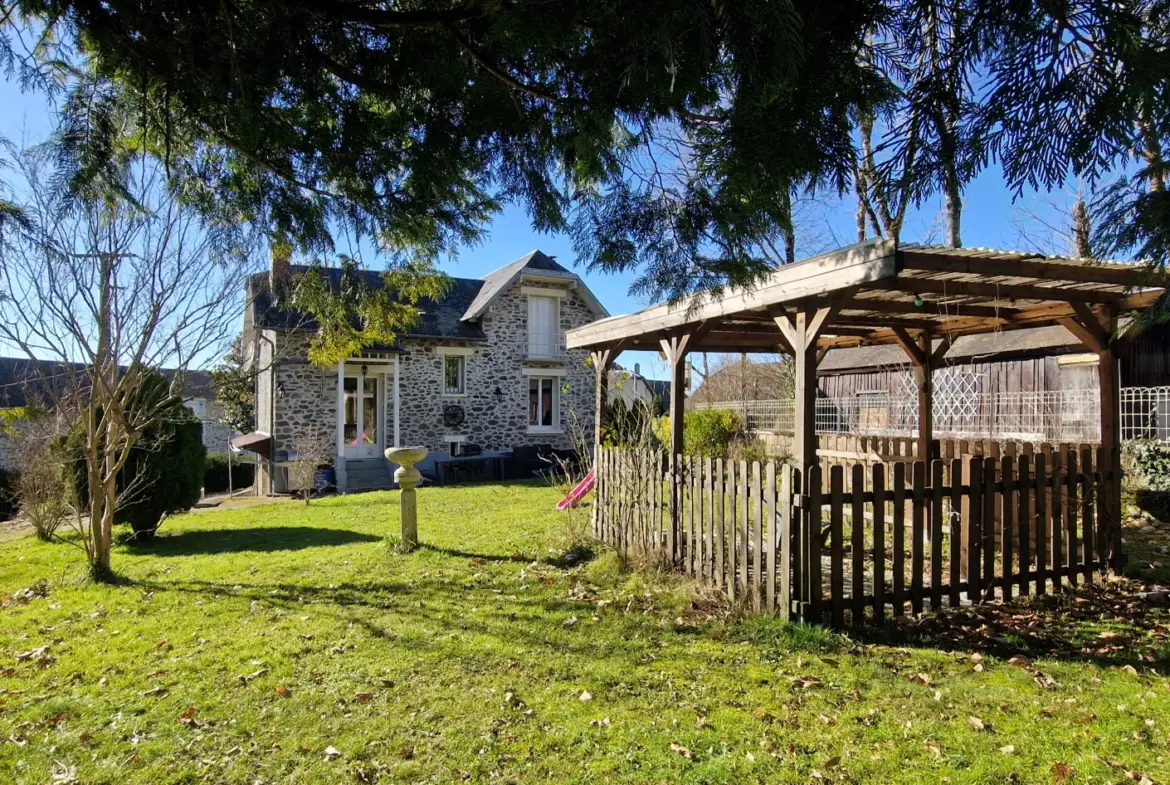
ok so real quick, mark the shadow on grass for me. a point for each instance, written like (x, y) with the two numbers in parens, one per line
(262, 539)
(1108, 625)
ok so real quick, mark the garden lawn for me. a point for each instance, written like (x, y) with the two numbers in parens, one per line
(291, 644)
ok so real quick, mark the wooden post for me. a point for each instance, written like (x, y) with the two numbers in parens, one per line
(800, 331)
(924, 356)
(1109, 504)
(1097, 330)
(601, 359)
(676, 346)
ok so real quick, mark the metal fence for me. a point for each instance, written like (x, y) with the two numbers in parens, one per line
(1052, 416)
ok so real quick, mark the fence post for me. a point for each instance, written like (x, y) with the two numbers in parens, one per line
(786, 528)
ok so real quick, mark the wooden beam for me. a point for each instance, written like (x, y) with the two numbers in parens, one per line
(992, 291)
(940, 351)
(1034, 267)
(819, 276)
(917, 356)
(928, 308)
(1086, 335)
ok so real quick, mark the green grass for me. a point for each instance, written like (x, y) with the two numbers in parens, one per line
(468, 659)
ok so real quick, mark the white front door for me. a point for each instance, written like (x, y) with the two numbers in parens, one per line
(361, 425)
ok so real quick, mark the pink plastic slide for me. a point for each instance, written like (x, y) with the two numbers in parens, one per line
(577, 494)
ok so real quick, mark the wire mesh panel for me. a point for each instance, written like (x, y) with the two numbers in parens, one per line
(962, 411)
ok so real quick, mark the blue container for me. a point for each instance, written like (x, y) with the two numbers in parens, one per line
(325, 480)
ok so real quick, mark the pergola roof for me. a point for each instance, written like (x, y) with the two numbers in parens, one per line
(879, 291)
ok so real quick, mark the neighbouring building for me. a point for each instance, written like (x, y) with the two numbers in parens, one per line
(485, 370)
(631, 386)
(25, 383)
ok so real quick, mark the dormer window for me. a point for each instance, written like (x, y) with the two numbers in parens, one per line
(544, 326)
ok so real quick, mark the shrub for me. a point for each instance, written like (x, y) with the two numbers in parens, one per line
(1149, 461)
(708, 433)
(165, 475)
(40, 489)
(215, 474)
(748, 449)
(162, 476)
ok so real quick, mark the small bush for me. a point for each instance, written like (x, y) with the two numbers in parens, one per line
(706, 434)
(1148, 461)
(215, 474)
(748, 449)
(40, 490)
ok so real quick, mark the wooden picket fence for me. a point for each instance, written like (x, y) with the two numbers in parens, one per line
(854, 544)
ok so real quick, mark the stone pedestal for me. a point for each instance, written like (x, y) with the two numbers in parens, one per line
(407, 478)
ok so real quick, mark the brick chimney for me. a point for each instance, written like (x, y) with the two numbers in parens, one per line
(280, 273)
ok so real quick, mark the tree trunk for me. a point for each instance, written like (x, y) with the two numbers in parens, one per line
(1082, 230)
(1153, 149)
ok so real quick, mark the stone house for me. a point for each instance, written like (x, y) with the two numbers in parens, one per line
(485, 368)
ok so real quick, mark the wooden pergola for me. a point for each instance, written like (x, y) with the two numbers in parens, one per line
(919, 297)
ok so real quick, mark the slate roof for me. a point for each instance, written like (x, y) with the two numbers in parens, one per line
(454, 317)
(441, 319)
(499, 280)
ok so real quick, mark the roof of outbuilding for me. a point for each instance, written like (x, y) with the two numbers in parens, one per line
(25, 382)
(1053, 339)
(882, 293)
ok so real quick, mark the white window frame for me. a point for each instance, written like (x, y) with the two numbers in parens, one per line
(555, 378)
(555, 326)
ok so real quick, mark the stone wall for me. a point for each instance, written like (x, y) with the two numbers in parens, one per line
(492, 424)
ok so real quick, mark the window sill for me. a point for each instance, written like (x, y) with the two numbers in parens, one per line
(453, 395)
(544, 429)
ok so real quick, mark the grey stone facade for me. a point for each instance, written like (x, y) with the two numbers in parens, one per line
(294, 397)
(500, 362)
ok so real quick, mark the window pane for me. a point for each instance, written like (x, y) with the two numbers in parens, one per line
(370, 411)
(453, 375)
(350, 425)
(546, 401)
(533, 400)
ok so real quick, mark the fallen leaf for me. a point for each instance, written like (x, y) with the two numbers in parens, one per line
(585, 697)
(364, 697)
(332, 752)
(32, 654)
(681, 750)
(157, 691)
(284, 692)
(1132, 671)
(1008, 750)
(1061, 772)
(977, 723)
(1020, 661)
(921, 678)
(833, 762)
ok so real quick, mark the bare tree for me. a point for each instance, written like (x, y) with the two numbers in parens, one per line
(102, 291)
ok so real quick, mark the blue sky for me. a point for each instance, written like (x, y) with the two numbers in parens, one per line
(990, 218)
